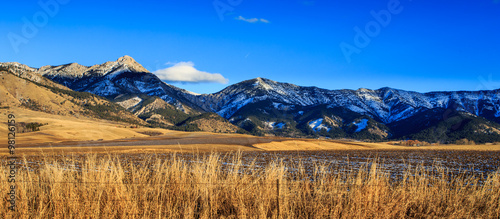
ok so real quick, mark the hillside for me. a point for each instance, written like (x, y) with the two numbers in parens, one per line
(257, 104)
(20, 92)
(156, 111)
(460, 128)
(210, 122)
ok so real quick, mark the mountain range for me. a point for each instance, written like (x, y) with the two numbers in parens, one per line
(265, 107)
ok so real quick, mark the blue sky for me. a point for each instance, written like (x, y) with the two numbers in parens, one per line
(424, 46)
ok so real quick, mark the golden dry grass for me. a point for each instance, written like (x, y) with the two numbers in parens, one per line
(184, 148)
(66, 128)
(290, 145)
(71, 129)
(304, 144)
(204, 188)
(14, 88)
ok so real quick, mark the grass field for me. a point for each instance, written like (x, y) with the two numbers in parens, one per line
(206, 187)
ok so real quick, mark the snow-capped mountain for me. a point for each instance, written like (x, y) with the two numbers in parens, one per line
(386, 104)
(255, 104)
(111, 79)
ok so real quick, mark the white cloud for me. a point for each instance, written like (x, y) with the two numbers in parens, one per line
(185, 72)
(264, 20)
(252, 20)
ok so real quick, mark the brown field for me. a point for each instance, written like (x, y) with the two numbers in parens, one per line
(206, 187)
(71, 134)
(88, 168)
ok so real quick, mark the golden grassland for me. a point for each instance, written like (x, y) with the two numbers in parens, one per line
(66, 134)
(291, 145)
(307, 144)
(109, 187)
(67, 128)
(194, 148)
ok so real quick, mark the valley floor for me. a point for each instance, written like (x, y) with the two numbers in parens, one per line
(71, 134)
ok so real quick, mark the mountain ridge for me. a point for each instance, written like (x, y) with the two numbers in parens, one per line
(356, 100)
(259, 104)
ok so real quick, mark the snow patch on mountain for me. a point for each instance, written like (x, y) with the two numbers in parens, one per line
(274, 125)
(232, 108)
(361, 125)
(277, 105)
(121, 69)
(356, 109)
(279, 125)
(130, 103)
(105, 88)
(192, 93)
(317, 125)
(260, 82)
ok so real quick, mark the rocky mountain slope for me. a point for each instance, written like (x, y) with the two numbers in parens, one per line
(259, 104)
(386, 105)
(130, 87)
(265, 107)
(111, 79)
(21, 92)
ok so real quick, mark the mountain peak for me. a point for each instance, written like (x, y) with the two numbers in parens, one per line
(131, 64)
(263, 79)
(260, 80)
(75, 70)
(364, 90)
(263, 83)
(126, 58)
